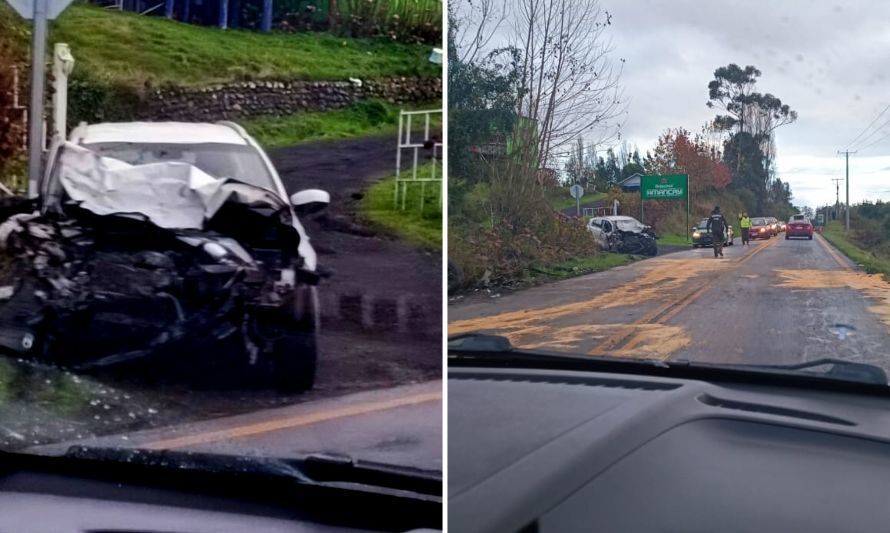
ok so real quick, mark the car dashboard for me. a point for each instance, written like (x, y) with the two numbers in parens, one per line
(559, 450)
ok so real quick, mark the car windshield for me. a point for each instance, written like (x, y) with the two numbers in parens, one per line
(687, 109)
(240, 162)
(629, 225)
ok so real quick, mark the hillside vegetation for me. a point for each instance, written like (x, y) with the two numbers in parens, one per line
(868, 242)
(134, 49)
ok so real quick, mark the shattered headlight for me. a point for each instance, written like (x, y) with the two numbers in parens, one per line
(215, 250)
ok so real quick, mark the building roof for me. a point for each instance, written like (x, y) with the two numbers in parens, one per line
(157, 132)
(631, 181)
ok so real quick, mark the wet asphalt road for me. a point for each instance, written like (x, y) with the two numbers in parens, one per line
(774, 302)
(400, 425)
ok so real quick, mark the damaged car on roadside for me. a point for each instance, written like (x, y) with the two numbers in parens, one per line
(623, 234)
(147, 237)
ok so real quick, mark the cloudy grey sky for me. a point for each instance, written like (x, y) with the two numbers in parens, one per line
(829, 60)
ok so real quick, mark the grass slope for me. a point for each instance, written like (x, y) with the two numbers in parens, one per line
(424, 230)
(135, 50)
(873, 262)
(560, 199)
(359, 120)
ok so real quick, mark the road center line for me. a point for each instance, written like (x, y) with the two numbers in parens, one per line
(249, 430)
(666, 311)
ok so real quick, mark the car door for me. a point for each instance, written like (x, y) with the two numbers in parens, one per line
(595, 226)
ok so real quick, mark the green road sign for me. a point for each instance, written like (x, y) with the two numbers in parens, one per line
(664, 187)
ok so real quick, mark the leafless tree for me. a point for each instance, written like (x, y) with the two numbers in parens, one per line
(476, 23)
(569, 82)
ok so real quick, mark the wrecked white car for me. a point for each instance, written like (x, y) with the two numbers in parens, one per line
(623, 234)
(148, 235)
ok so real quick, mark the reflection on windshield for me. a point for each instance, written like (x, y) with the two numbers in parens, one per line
(239, 162)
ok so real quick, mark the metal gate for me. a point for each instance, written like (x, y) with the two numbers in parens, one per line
(590, 212)
(408, 140)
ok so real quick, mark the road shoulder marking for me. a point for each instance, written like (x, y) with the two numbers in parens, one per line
(249, 430)
(833, 253)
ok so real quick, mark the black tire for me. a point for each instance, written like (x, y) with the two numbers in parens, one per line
(810, 238)
(455, 277)
(650, 248)
(294, 361)
(787, 237)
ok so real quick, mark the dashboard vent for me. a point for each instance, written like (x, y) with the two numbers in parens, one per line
(736, 405)
(550, 379)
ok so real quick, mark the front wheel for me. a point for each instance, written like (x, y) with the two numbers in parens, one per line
(294, 361)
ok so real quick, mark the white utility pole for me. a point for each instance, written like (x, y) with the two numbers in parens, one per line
(63, 64)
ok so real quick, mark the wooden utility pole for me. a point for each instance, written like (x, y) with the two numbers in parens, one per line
(847, 213)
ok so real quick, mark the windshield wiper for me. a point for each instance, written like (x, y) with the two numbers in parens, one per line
(311, 469)
(838, 368)
(476, 348)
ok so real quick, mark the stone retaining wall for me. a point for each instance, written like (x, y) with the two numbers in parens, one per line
(256, 98)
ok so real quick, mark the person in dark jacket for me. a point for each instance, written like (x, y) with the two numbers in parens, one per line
(717, 225)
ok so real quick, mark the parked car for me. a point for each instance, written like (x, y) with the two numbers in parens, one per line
(150, 236)
(701, 237)
(799, 226)
(623, 234)
(760, 228)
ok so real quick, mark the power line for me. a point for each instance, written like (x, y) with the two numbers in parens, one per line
(877, 131)
(876, 142)
(867, 127)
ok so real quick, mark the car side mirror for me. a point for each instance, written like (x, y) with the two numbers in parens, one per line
(310, 201)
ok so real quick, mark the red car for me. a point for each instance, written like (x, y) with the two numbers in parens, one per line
(799, 226)
(761, 228)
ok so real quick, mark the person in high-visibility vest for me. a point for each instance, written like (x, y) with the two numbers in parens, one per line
(745, 224)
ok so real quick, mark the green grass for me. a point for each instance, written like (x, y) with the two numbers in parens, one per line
(673, 239)
(581, 266)
(873, 263)
(360, 120)
(423, 230)
(137, 50)
(560, 198)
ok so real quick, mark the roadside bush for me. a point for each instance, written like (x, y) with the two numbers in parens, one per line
(414, 21)
(12, 53)
(506, 228)
(91, 101)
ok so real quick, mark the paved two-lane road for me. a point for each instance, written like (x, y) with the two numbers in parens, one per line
(774, 302)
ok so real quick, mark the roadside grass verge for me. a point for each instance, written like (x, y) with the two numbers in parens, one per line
(579, 266)
(673, 239)
(137, 51)
(362, 119)
(873, 262)
(420, 229)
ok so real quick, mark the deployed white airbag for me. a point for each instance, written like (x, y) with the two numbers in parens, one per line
(171, 195)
